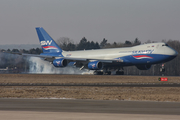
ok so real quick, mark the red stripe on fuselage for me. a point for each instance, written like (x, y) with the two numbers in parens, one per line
(139, 56)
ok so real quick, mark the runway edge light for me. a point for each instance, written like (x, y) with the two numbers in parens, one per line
(163, 79)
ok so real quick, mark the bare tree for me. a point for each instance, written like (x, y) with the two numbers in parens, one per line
(66, 43)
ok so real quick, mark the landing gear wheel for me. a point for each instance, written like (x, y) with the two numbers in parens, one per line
(119, 72)
(107, 73)
(98, 73)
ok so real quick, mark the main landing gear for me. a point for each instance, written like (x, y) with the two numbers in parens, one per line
(108, 72)
(119, 72)
(102, 73)
(98, 72)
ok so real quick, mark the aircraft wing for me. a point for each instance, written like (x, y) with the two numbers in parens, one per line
(71, 59)
(92, 59)
(32, 55)
(45, 57)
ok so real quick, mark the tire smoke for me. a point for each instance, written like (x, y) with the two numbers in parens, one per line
(39, 66)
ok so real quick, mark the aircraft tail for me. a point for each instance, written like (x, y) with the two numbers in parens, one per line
(47, 43)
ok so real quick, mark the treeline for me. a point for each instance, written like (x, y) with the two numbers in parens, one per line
(22, 64)
(68, 45)
(31, 51)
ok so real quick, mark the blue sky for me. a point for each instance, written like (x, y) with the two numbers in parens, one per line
(115, 20)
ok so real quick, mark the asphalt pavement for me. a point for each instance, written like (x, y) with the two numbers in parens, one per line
(90, 106)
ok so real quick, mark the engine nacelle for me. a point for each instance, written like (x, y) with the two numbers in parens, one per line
(95, 65)
(143, 67)
(60, 62)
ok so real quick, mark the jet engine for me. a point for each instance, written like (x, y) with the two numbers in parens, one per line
(95, 65)
(60, 62)
(143, 67)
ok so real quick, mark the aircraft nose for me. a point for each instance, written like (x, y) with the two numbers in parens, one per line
(174, 52)
(171, 52)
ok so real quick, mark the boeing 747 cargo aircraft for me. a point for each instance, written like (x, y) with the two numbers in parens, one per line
(102, 61)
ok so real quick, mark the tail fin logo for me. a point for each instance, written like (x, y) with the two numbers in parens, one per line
(46, 42)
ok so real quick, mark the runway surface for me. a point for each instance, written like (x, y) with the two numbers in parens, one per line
(90, 106)
(103, 88)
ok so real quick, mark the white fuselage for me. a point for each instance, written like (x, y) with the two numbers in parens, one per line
(113, 53)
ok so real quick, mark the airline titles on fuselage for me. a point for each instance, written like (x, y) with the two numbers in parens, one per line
(143, 51)
(150, 51)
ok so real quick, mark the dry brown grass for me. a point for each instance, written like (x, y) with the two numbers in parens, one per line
(98, 93)
(45, 78)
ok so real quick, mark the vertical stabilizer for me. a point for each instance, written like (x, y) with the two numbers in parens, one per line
(47, 43)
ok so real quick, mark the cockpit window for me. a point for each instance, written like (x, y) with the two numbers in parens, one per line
(165, 45)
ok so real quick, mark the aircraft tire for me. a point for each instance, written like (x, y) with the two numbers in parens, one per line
(107, 73)
(98, 73)
(119, 72)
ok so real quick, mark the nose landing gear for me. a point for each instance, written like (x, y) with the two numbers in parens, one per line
(162, 69)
